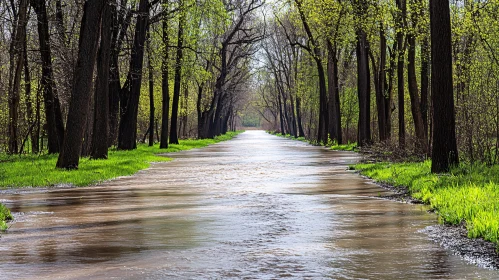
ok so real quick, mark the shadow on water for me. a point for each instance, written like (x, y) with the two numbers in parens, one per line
(256, 207)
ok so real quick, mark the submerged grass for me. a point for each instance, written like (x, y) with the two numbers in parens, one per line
(469, 194)
(40, 171)
(4, 217)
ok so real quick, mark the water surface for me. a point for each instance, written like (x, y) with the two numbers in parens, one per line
(256, 207)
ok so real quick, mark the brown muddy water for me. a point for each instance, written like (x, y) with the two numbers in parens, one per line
(256, 207)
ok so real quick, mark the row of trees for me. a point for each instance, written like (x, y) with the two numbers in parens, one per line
(76, 72)
(338, 71)
(333, 71)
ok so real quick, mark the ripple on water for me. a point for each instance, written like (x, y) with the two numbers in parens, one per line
(257, 207)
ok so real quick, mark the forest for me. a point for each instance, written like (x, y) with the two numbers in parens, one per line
(79, 77)
(92, 90)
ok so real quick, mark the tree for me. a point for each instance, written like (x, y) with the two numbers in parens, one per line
(316, 53)
(416, 101)
(17, 57)
(80, 96)
(101, 101)
(401, 24)
(130, 93)
(53, 114)
(363, 77)
(178, 74)
(165, 90)
(150, 70)
(444, 151)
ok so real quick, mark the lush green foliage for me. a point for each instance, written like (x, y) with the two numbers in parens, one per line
(4, 216)
(344, 147)
(38, 171)
(469, 194)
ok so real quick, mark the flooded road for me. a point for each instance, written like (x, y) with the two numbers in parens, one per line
(256, 207)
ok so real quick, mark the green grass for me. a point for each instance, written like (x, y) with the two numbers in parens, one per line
(4, 217)
(333, 145)
(40, 171)
(345, 147)
(469, 194)
(289, 136)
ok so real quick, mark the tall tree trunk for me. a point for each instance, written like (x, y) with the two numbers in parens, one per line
(364, 90)
(178, 75)
(129, 101)
(334, 96)
(425, 58)
(444, 152)
(100, 133)
(293, 115)
(389, 105)
(317, 53)
(301, 133)
(422, 142)
(380, 82)
(81, 93)
(281, 114)
(37, 119)
(16, 69)
(53, 114)
(401, 17)
(165, 91)
(199, 110)
(61, 30)
(29, 103)
(323, 114)
(121, 23)
(151, 90)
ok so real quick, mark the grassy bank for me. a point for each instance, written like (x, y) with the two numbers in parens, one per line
(4, 217)
(40, 171)
(331, 145)
(468, 194)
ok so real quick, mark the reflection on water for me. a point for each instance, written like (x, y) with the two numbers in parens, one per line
(257, 207)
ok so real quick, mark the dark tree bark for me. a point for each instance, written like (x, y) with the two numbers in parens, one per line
(316, 52)
(121, 23)
(422, 137)
(37, 119)
(29, 103)
(425, 58)
(130, 94)
(293, 115)
(364, 90)
(60, 22)
(100, 133)
(401, 17)
(53, 115)
(281, 114)
(389, 105)
(178, 76)
(164, 81)
(380, 83)
(81, 92)
(301, 133)
(334, 94)
(444, 152)
(151, 90)
(17, 56)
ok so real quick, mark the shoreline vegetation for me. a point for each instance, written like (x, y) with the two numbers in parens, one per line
(38, 170)
(5, 216)
(467, 196)
(332, 145)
